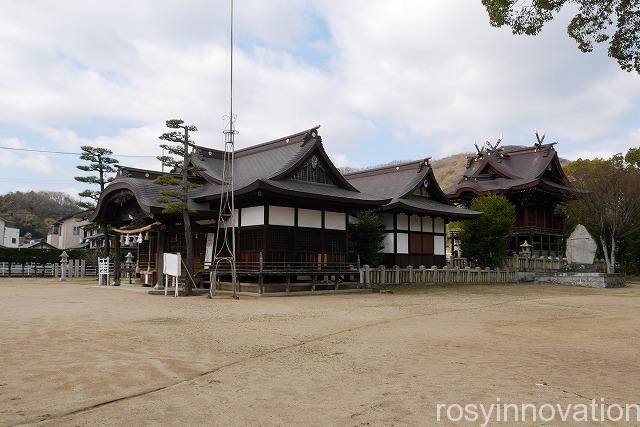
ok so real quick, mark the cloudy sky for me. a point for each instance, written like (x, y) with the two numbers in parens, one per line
(386, 80)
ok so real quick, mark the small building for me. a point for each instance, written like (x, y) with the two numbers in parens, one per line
(533, 180)
(67, 232)
(416, 215)
(9, 236)
(37, 244)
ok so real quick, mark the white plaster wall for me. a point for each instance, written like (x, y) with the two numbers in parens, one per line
(388, 243)
(252, 216)
(438, 245)
(279, 215)
(309, 218)
(403, 243)
(427, 224)
(415, 223)
(335, 221)
(402, 221)
(439, 225)
(387, 220)
(11, 233)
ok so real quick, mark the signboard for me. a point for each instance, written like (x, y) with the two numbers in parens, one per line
(208, 254)
(172, 264)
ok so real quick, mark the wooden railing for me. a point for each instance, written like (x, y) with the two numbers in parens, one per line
(371, 277)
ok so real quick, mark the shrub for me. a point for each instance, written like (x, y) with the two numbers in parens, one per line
(485, 240)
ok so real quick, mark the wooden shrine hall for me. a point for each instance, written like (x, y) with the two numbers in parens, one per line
(533, 180)
(292, 208)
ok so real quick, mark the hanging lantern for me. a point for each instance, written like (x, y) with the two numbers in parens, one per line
(140, 238)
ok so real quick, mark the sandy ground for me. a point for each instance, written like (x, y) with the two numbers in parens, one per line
(74, 354)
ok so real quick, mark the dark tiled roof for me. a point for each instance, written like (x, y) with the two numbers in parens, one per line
(513, 170)
(398, 183)
(267, 166)
(146, 193)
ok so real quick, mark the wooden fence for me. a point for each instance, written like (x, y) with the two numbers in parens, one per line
(371, 277)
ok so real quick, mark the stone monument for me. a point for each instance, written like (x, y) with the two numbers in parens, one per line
(580, 271)
(581, 251)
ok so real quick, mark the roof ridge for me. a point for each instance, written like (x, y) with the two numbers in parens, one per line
(263, 146)
(378, 169)
(274, 143)
(532, 148)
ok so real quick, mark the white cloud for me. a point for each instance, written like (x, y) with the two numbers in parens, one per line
(432, 74)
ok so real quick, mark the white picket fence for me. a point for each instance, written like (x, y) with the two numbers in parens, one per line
(400, 276)
(75, 268)
(526, 264)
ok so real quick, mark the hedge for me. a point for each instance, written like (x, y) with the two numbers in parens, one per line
(37, 256)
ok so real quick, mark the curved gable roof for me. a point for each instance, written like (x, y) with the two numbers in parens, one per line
(518, 169)
(400, 182)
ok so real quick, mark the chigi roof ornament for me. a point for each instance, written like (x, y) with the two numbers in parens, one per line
(426, 163)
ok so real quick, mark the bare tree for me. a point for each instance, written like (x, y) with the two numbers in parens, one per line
(610, 203)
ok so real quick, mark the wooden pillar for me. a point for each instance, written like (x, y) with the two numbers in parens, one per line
(116, 261)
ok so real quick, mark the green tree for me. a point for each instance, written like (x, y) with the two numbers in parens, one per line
(633, 157)
(176, 196)
(485, 240)
(367, 236)
(97, 160)
(616, 22)
(609, 205)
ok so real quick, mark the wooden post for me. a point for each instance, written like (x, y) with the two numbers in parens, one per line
(160, 282)
(260, 275)
(116, 262)
(288, 280)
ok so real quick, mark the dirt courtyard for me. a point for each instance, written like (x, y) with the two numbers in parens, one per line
(74, 354)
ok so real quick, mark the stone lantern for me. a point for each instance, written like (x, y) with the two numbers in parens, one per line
(64, 259)
(129, 264)
(525, 249)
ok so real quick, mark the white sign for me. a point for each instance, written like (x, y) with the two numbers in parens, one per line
(208, 253)
(172, 264)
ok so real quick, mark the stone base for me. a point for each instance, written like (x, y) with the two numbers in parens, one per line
(579, 268)
(592, 280)
(525, 276)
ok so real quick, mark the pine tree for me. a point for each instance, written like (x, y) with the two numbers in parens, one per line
(176, 196)
(98, 160)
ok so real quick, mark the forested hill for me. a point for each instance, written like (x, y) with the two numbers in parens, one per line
(34, 211)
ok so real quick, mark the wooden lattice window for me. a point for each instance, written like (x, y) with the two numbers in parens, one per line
(280, 239)
(251, 240)
(335, 243)
(308, 241)
(313, 170)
